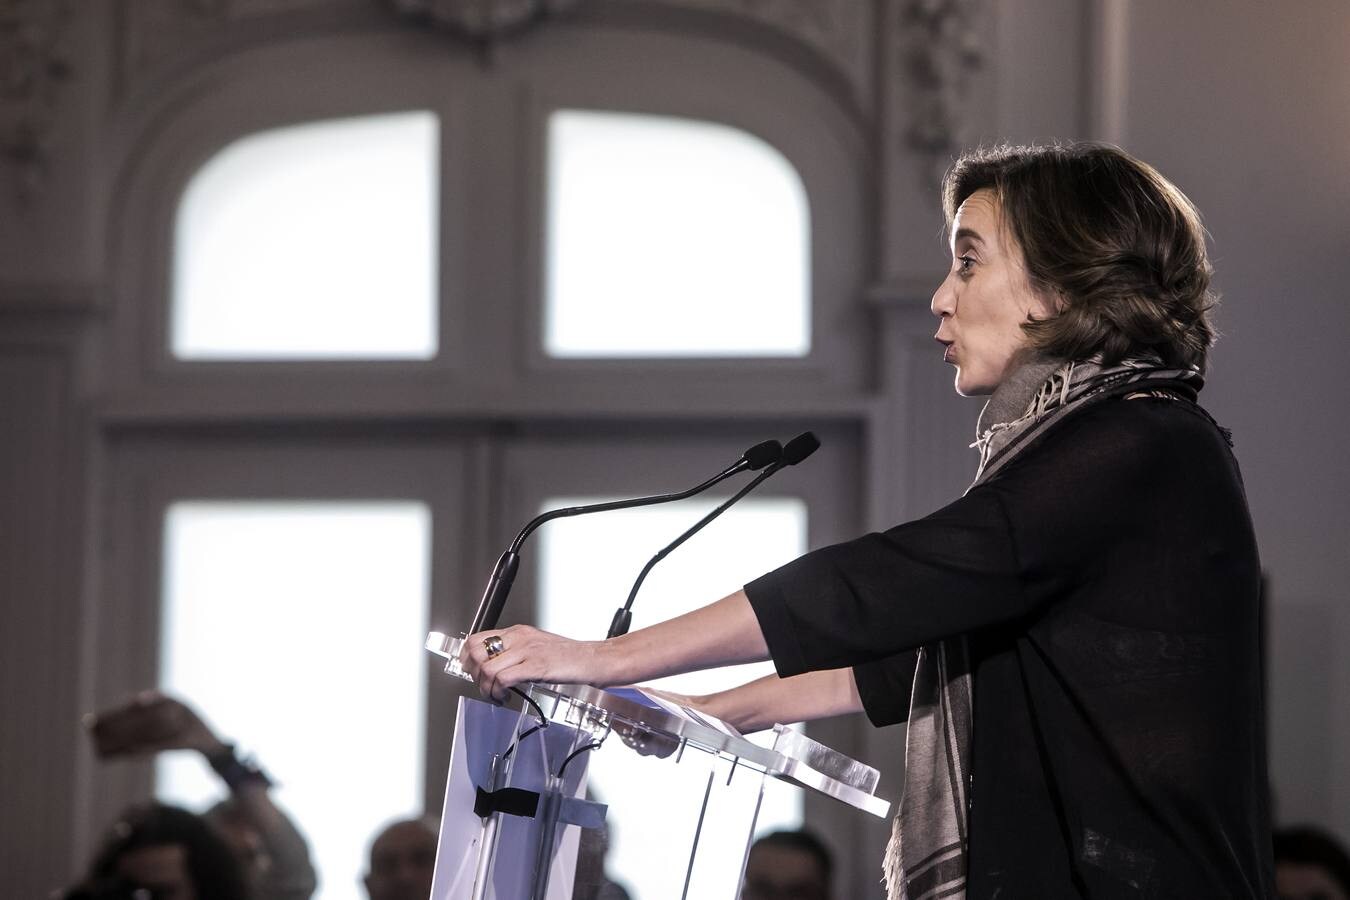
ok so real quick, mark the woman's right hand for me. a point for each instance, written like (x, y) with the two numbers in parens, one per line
(722, 633)
(528, 654)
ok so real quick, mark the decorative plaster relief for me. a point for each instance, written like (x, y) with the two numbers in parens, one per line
(840, 29)
(482, 21)
(153, 30)
(941, 49)
(33, 66)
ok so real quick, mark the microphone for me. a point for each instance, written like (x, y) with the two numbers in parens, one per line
(796, 450)
(766, 453)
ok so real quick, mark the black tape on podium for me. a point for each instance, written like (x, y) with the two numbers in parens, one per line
(512, 801)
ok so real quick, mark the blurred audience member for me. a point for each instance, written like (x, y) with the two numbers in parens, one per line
(167, 852)
(1310, 865)
(402, 859)
(592, 882)
(788, 865)
(272, 851)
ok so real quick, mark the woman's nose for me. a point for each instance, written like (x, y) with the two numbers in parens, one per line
(944, 300)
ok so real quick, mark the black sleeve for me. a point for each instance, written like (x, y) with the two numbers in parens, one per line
(991, 557)
(885, 686)
(883, 593)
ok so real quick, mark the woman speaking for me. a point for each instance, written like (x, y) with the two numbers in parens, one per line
(1075, 641)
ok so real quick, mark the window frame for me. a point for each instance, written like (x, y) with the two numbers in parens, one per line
(643, 359)
(148, 470)
(837, 277)
(279, 360)
(209, 116)
(492, 144)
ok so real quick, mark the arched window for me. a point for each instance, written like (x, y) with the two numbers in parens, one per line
(314, 241)
(672, 237)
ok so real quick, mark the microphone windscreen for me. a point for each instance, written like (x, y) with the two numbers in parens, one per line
(761, 455)
(799, 448)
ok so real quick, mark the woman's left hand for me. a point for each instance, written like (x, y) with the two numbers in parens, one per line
(528, 654)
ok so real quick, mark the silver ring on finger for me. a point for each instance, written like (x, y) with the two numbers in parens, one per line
(494, 645)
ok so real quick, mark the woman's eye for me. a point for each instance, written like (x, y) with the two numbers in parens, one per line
(964, 264)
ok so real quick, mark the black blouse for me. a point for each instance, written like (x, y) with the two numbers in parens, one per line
(1108, 582)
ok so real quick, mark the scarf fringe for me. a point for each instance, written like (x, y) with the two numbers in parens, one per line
(892, 866)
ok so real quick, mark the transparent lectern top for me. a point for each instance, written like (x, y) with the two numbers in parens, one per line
(653, 726)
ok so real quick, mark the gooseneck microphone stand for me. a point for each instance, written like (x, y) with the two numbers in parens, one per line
(796, 450)
(498, 587)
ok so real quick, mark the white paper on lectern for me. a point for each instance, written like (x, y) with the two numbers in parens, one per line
(482, 731)
(657, 699)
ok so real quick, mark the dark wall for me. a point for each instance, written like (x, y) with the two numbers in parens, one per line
(1247, 106)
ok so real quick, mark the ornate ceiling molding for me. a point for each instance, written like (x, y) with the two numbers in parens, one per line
(33, 68)
(935, 46)
(483, 22)
(941, 50)
(153, 31)
(840, 30)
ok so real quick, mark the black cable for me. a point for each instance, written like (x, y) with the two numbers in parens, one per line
(514, 744)
(538, 710)
(574, 754)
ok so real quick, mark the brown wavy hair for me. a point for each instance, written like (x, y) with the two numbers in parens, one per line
(215, 871)
(1117, 245)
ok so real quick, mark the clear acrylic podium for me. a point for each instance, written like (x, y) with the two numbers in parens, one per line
(516, 801)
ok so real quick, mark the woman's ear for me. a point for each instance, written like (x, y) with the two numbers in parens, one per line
(1046, 303)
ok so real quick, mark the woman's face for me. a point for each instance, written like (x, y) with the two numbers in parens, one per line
(985, 297)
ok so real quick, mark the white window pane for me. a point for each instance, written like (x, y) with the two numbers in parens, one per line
(310, 242)
(587, 565)
(294, 628)
(672, 237)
